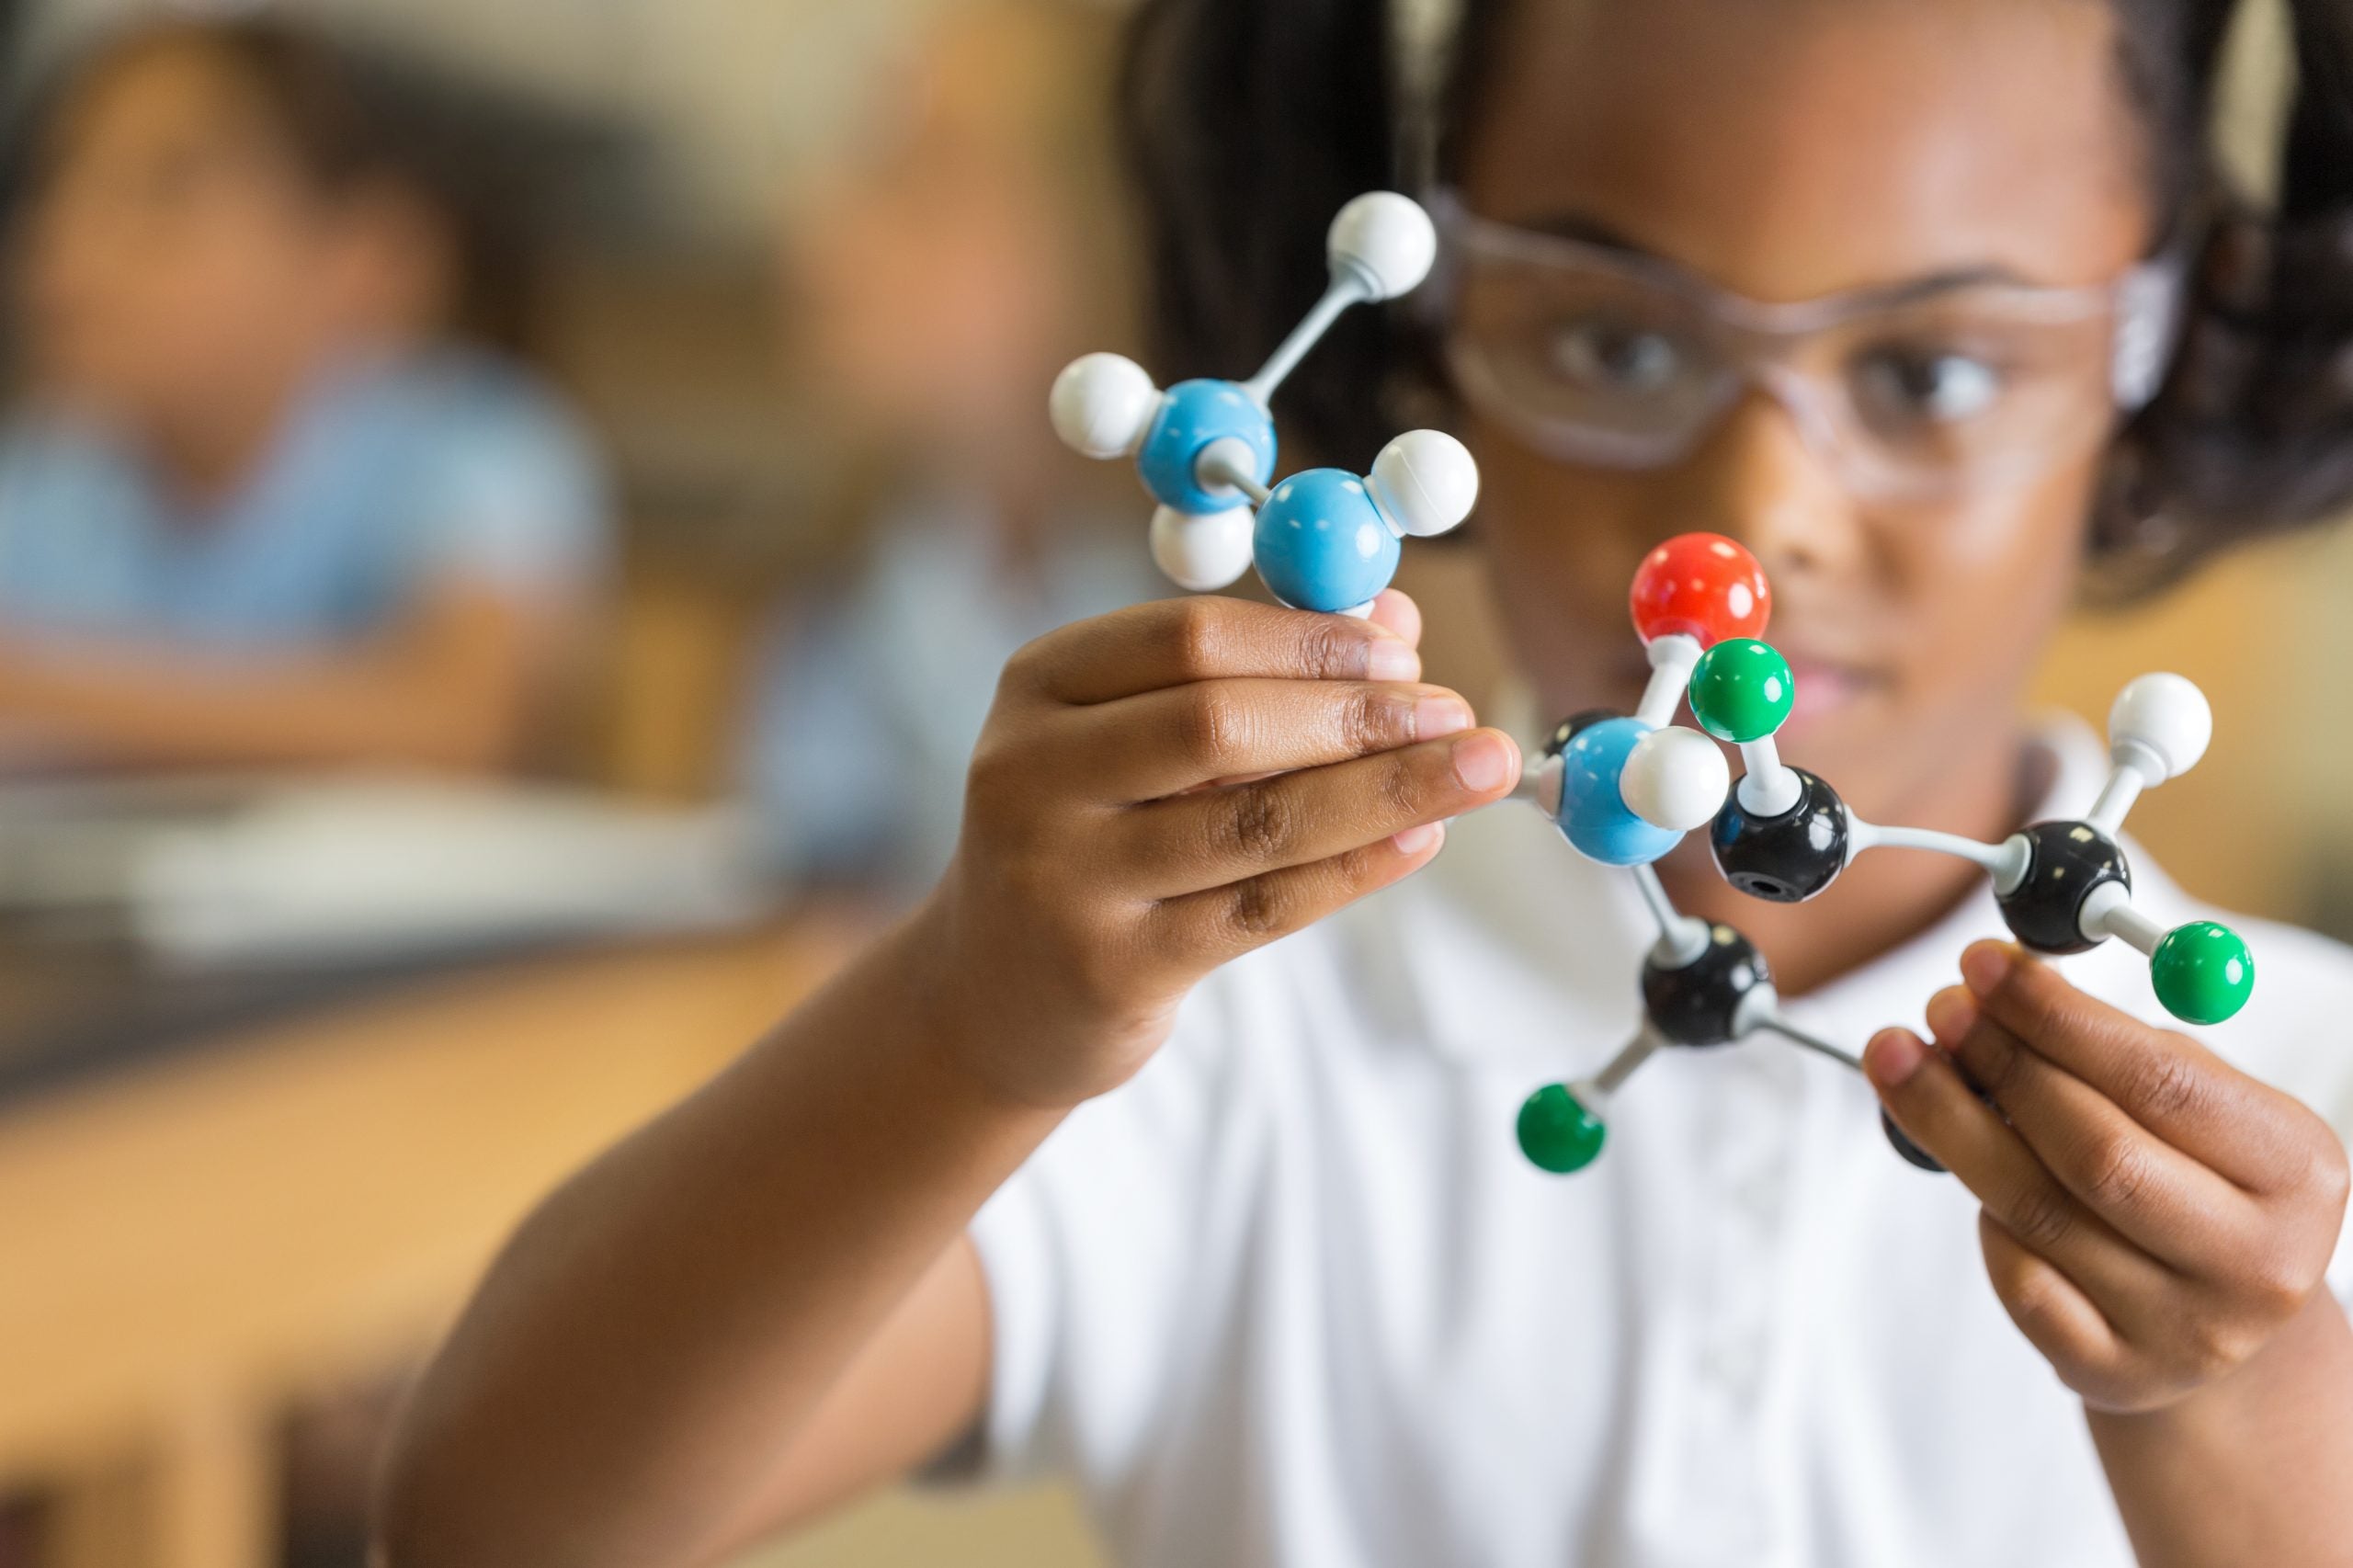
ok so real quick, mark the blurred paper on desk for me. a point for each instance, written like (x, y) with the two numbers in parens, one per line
(321, 871)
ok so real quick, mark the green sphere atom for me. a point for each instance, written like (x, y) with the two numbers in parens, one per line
(2203, 972)
(1558, 1135)
(1741, 690)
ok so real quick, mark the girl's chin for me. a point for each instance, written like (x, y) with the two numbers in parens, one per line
(1846, 737)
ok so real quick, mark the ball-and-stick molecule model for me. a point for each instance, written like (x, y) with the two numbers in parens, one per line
(1324, 539)
(1624, 790)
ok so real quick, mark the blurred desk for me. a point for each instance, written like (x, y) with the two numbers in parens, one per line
(189, 1242)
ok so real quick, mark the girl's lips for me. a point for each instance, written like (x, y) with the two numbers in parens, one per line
(1822, 690)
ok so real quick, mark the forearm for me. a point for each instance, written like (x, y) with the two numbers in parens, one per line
(658, 1334)
(332, 711)
(452, 689)
(2252, 1469)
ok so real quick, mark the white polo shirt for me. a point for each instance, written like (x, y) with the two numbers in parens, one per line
(1292, 1296)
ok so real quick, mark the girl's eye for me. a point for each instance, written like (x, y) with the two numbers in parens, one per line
(1941, 388)
(1613, 358)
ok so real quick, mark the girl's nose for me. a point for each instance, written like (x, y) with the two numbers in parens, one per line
(1757, 478)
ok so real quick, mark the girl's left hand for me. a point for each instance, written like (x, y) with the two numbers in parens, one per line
(2153, 1216)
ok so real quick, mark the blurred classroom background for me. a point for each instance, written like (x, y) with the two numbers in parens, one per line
(658, 387)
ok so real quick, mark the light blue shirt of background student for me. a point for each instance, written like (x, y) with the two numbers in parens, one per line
(867, 698)
(394, 474)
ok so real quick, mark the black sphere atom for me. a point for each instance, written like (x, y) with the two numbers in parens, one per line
(1698, 1004)
(2070, 858)
(1566, 730)
(1786, 859)
(1904, 1146)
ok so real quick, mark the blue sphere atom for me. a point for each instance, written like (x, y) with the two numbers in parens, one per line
(1192, 415)
(1593, 812)
(1322, 544)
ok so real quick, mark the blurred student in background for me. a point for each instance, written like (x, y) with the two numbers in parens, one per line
(969, 245)
(259, 508)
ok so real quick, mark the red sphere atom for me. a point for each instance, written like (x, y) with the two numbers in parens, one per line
(1702, 586)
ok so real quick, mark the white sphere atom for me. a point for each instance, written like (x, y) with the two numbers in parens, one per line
(1674, 778)
(1386, 241)
(1103, 403)
(1202, 555)
(2166, 716)
(1424, 482)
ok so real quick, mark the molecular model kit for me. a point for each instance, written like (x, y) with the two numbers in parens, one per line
(1324, 539)
(1624, 789)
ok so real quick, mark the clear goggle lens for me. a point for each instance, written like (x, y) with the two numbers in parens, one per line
(1598, 357)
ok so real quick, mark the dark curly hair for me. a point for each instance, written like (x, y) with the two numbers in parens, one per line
(1247, 123)
(504, 176)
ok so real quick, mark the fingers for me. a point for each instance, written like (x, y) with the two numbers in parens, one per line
(2156, 1197)
(1173, 642)
(1226, 922)
(1158, 743)
(1208, 840)
(1937, 1111)
(1398, 612)
(2172, 1085)
(2050, 1309)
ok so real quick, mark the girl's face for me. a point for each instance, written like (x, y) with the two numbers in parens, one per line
(176, 257)
(1784, 152)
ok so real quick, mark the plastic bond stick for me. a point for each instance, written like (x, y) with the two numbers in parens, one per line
(1597, 1090)
(1773, 1021)
(2005, 860)
(2110, 912)
(1767, 788)
(1227, 462)
(1343, 293)
(1673, 657)
(1680, 938)
(2115, 803)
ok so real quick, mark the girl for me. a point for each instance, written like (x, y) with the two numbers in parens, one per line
(259, 510)
(1081, 1167)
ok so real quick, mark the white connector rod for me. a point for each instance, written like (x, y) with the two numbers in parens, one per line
(1767, 788)
(1760, 1012)
(2007, 861)
(1541, 786)
(1381, 246)
(1672, 658)
(1594, 1093)
(2108, 911)
(1230, 463)
(1682, 938)
(2130, 776)
(1346, 290)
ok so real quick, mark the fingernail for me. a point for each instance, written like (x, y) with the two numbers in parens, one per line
(1893, 1056)
(1392, 658)
(1483, 761)
(1986, 965)
(1413, 840)
(1951, 1015)
(1438, 717)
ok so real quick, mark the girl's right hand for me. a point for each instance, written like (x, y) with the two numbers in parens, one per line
(1166, 788)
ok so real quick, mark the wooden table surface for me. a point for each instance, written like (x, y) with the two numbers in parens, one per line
(186, 1246)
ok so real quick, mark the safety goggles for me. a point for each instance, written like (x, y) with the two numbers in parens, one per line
(1598, 357)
